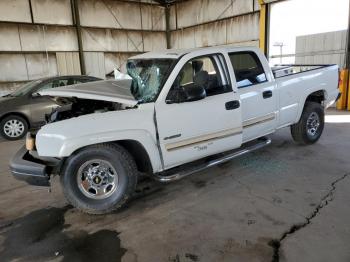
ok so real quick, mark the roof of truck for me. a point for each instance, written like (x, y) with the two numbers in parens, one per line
(176, 53)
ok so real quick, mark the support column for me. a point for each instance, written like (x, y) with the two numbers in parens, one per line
(31, 10)
(167, 25)
(263, 23)
(76, 22)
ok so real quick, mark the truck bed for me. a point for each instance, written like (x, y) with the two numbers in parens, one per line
(292, 69)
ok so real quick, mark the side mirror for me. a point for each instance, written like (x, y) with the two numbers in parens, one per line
(188, 94)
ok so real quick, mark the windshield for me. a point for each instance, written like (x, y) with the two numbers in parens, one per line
(148, 76)
(26, 88)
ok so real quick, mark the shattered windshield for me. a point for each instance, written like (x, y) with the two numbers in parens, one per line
(148, 76)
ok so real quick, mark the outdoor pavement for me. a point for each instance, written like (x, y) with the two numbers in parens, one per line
(282, 203)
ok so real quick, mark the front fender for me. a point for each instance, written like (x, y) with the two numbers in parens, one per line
(61, 139)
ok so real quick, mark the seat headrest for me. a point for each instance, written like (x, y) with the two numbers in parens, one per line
(201, 79)
(197, 65)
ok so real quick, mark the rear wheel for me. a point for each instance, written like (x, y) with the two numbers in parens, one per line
(99, 179)
(310, 126)
(13, 127)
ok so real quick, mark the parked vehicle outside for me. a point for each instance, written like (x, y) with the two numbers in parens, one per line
(182, 111)
(25, 109)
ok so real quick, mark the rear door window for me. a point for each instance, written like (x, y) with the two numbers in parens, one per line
(247, 68)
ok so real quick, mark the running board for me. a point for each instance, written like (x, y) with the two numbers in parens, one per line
(260, 143)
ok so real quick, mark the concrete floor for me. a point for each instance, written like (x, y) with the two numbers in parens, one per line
(282, 203)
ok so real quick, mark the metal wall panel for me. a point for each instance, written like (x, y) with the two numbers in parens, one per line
(9, 37)
(7, 64)
(122, 15)
(153, 17)
(116, 60)
(15, 11)
(41, 65)
(48, 38)
(154, 41)
(22, 67)
(110, 40)
(49, 49)
(110, 14)
(234, 30)
(95, 64)
(37, 38)
(52, 11)
(254, 43)
(324, 48)
(243, 28)
(190, 13)
(68, 63)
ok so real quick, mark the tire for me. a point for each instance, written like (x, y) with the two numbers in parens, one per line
(305, 131)
(19, 125)
(80, 187)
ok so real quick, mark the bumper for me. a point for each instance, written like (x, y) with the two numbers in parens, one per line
(34, 171)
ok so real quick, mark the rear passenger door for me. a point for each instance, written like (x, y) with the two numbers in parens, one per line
(257, 94)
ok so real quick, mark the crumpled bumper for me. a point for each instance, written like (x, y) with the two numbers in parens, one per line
(35, 171)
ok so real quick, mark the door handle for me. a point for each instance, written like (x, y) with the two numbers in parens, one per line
(267, 94)
(232, 105)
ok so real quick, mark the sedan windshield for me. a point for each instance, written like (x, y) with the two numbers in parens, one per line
(148, 77)
(26, 88)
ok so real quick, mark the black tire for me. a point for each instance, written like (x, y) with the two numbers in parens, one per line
(18, 119)
(300, 132)
(119, 159)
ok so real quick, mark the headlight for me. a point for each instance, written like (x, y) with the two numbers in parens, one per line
(30, 142)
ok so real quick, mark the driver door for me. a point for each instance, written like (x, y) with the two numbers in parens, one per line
(190, 130)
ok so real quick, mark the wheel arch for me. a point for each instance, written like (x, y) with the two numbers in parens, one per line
(139, 153)
(134, 148)
(24, 116)
(317, 96)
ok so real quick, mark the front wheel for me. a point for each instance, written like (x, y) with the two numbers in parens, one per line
(13, 127)
(99, 179)
(310, 126)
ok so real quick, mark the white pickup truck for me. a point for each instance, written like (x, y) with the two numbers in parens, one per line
(181, 111)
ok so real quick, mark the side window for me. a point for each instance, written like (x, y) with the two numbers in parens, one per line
(53, 84)
(248, 69)
(82, 80)
(202, 71)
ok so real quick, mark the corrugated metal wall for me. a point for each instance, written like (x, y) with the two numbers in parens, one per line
(325, 48)
(45, 43)
(206, 23)
(41, 39)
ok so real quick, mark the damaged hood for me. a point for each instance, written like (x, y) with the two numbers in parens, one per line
(109, 90)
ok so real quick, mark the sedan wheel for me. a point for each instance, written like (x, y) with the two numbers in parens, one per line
(13, 127)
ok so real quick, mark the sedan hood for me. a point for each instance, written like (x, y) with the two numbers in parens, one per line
(109, 90)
